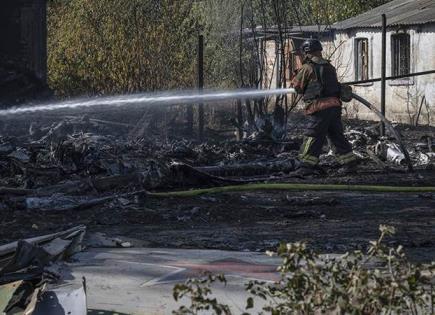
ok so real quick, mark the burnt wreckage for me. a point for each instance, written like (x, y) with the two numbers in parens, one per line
(67, 164)
(58, 166)
(79, 163)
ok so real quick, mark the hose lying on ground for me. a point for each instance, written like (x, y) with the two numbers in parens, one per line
(294, 187)
(388, 125)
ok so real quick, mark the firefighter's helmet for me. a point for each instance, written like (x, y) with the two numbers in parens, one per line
(311, 45)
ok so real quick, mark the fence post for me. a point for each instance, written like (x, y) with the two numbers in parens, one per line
(201, 86)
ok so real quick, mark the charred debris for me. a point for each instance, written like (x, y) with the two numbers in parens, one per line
(81, 162)
(66, 164)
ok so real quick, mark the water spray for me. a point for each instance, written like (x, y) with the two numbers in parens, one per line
(149, 99)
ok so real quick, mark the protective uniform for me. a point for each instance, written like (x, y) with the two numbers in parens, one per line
(317, 81)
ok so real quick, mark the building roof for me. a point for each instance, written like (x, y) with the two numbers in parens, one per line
(295, 31)
(398, 12)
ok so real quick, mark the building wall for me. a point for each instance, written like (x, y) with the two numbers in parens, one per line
(272, 59)
(23, 34)
(271, 65)
(403, 97)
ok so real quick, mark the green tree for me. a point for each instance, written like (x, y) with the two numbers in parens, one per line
(114, 46)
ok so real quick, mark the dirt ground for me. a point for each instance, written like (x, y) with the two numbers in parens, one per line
(330, 221)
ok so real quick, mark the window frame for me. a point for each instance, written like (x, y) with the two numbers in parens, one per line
(359, 58)
(396, 58)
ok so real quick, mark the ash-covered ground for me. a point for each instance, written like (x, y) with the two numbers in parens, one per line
(61, 169)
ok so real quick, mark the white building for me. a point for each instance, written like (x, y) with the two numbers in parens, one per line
(354, 47)
(410, 49)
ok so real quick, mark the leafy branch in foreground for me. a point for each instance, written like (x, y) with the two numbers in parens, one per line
(199, 291)
(381, 282)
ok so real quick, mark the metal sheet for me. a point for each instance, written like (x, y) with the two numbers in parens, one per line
(398, 12)
(61, 300)
(6, 292)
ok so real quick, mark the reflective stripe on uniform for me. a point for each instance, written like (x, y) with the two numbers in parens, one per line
(304, 156)
(309, 159)
(306, 146)
(346, 158)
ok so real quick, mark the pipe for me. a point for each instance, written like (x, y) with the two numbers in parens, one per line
(409, 75)
(389, 126)
(383, 69)
(293, 187)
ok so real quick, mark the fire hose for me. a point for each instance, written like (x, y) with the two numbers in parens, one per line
(294, 187)
(388, 125)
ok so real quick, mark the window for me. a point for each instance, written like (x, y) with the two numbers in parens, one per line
(362, 59)
(400, 54)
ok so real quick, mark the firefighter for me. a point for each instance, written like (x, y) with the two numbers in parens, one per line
(317, 82)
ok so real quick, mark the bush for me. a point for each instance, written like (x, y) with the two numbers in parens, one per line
(381, 282)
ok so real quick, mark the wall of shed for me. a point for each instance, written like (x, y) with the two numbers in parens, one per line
(403, 98)
(271, 65)
(271, 61)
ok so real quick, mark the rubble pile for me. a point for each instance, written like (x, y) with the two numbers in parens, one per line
(82, 162)
(424, 151)
(385, 151)
(61, 169)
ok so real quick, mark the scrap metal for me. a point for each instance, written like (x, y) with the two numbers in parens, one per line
(33, 280)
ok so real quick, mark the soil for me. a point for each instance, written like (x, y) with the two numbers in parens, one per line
(332, 222)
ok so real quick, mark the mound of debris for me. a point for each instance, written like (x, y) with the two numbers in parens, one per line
(34, 279)
(76, 164)
(386, 152)
(82, 162)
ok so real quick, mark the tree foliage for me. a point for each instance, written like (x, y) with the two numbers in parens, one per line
(113, 46)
